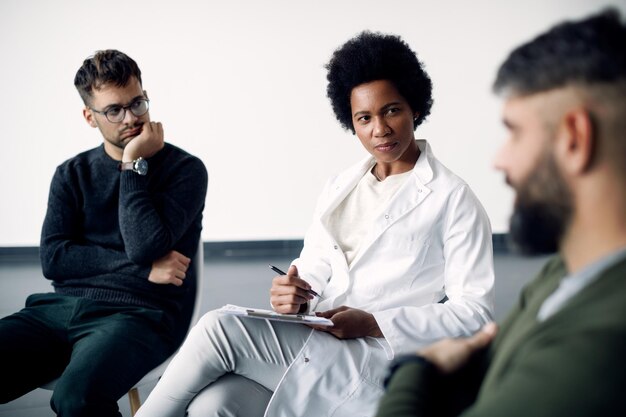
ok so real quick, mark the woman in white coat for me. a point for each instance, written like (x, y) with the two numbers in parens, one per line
(399, 252)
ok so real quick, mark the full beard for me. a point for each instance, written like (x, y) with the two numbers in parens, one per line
(543, 211)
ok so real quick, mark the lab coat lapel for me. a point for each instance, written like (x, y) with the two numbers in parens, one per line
(341, 188)
(409, 196)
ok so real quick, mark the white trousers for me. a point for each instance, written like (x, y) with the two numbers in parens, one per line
(227, 348)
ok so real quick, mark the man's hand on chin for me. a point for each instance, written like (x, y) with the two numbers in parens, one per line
(146, 143)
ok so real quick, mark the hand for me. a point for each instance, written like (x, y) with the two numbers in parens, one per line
(146, 144)
(289, 292)
(450, 355)
(349, 323)
(170, 269)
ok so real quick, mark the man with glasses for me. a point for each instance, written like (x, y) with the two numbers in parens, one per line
(118, 240)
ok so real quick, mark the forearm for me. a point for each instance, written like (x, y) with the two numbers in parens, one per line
(143, 229)
(412, 328)
(416, 387)
(152, 222)
(313, 264)
(409, 389)
(64, 259)
(66, 251)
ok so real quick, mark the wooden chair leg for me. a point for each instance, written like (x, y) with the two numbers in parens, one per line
(135, 402)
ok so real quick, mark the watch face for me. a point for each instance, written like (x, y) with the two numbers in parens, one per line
(141, 166)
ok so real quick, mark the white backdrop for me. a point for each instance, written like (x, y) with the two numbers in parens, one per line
(241, 84)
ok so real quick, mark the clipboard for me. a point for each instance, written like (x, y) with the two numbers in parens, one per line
(256, 313)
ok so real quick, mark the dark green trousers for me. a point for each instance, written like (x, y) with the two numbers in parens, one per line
(98, 350)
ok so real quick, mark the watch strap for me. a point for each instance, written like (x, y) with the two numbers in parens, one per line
(126, 166)
(139, 166)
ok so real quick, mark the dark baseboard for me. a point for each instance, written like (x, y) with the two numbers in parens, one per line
(253, 249)
(22, 254)
(501, 243)
(225, 250)
(212, 250)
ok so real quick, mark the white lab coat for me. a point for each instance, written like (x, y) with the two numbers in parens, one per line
(433, 240)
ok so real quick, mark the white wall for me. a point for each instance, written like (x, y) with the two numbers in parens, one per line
(241, 84)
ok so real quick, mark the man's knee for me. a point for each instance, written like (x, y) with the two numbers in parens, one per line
(90, 386)
(82, 400)
(67, 402)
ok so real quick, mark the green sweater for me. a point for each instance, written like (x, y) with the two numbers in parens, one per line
(572, 364)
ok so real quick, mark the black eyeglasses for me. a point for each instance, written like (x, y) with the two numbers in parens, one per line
(116, 114)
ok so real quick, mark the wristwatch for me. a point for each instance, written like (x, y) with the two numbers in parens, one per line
(139, 165)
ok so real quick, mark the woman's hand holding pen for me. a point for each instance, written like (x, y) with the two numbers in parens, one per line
(289, 292)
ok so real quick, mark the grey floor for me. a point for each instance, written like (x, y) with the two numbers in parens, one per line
(226, 280)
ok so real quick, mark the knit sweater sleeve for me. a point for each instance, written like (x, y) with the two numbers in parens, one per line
(64, 251)
(416, 388)
(568, 365)
(153, 221)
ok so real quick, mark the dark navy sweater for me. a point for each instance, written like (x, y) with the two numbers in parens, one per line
(104, 228)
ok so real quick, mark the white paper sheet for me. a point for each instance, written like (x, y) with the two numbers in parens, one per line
(272, 315)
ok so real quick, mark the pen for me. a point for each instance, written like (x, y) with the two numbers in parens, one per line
(278, 271)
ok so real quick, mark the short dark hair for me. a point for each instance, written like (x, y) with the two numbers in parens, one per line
(583, 52)
(374, 56)
(105, 67)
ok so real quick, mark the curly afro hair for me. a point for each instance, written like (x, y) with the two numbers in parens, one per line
(373, 56)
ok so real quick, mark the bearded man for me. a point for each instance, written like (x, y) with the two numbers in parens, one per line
(561, 350)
